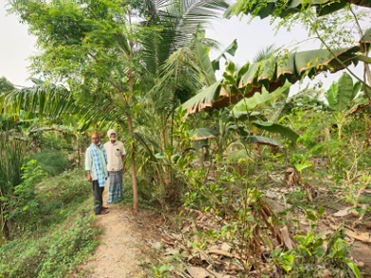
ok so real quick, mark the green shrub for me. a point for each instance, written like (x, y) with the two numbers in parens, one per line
(52, 163)
(23, 204)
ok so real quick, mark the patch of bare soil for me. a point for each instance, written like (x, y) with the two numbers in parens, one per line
(122, 244)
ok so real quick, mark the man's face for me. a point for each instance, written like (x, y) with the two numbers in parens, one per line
(95, 139)
(112, 137)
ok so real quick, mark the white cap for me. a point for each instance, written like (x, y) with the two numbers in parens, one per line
(109, 132)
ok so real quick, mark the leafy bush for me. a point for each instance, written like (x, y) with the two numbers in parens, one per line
(23, 203)
(52, 163)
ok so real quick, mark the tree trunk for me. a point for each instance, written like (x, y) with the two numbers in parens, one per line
(78, 153)
(133, 167)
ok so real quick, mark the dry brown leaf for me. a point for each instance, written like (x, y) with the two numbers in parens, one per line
(361, 236)
(292, 177)
(343, 212)
(327, 274)
(198, 272)
(286, 238)
(222, 253)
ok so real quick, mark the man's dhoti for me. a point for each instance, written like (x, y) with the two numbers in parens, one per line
(114, 186)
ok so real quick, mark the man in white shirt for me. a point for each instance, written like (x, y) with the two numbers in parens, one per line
(115, 154)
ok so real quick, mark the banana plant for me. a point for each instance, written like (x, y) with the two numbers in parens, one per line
(341, 97)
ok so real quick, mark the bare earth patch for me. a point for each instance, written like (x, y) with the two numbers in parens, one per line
(123, 243)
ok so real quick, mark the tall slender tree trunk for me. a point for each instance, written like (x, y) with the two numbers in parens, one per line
(133, 167)
(78, 153)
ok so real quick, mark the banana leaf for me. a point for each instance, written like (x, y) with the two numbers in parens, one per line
(204, 133)
(230, 49)
(342, 93)
(284, 131)
(258, 99)
(272, 74)
(260, 140)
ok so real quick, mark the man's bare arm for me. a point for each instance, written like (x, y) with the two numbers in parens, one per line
(89, 175)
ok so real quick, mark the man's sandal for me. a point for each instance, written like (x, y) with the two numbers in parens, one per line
(104, 211)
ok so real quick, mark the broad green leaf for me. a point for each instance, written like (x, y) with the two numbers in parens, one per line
(291, 68)
(204, 133)
(287, 261)
(353, 267)
(277, 128)
(205, 63)
(258, 99)
(331, 95)
(260, 140)
(341, 93)
(230, 49)
(345, 91)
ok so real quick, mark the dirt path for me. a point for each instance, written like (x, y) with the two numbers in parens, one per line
(121, 246)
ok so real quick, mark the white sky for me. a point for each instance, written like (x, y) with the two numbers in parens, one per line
(17, 45)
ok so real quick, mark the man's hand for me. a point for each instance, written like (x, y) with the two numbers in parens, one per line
(89, 177)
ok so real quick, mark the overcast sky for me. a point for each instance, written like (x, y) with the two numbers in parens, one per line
(17, 45)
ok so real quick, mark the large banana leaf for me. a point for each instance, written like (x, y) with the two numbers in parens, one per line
(273, 73)
(283, 8)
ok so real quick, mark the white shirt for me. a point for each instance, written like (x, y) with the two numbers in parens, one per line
(114, 151)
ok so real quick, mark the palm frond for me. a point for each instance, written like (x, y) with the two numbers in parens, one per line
(41, 99)
(264, 53)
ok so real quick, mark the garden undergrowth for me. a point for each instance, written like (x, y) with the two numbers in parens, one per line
(59, 237)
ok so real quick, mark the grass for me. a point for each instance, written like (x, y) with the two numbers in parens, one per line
(65, 234)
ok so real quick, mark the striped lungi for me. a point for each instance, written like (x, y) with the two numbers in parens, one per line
(114, 186)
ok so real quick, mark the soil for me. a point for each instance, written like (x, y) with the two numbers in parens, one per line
(124, 243)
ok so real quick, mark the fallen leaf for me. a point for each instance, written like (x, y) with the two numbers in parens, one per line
(362, 236)
(343, 212)
(198, 272)
(286, 238)
(222, 253)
